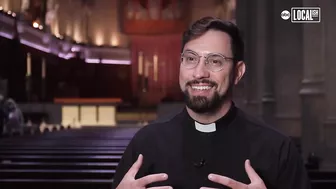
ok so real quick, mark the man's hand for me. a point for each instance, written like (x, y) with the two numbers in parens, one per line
(256, 181)
(129, 181)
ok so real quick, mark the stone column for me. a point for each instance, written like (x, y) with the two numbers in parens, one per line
(248, 92)
(265, 47)
(258, 35)
(43, 79)
(328, 20)
(240, 92)
(287, 60)
(254, 55)
(24, 5)
(312, 86)
(29, 81)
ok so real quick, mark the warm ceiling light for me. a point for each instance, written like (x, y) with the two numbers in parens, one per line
(35, 25)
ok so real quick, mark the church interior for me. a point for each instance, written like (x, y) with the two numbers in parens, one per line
(81, 77)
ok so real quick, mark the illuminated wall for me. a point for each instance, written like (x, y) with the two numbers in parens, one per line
(218, 8)
(5, 4)
(70, 20)
(102, 22)
(12, 5)
(103, 19)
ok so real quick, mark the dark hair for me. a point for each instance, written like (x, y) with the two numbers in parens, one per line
(204, 24)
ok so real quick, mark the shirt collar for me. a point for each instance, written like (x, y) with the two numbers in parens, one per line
(219, 124)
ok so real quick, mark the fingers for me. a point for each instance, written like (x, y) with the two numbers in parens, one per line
(226, 181)
(161, 187)
(135, 167)
(254, 177)
(151, 178)
(147, 179)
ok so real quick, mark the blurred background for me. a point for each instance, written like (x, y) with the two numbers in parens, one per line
(79, 77)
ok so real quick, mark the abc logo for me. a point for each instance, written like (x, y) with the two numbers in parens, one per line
(285, 15)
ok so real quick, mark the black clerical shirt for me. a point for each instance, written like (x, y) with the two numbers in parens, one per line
(187, 155)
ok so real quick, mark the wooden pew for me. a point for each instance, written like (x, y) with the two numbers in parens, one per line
(56, 184)
(323, 184)
(81, 158)
(322, 179)
(320, 174)
(60, 165)
(56, 174)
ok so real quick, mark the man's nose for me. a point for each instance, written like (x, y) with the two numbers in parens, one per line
(201, 71)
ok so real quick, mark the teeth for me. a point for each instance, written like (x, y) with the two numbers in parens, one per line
(201, 87)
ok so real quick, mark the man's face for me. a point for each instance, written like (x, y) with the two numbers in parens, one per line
(205, 89)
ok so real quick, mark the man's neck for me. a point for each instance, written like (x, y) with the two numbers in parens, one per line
(206, 118)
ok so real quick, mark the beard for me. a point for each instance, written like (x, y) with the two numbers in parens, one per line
(203, 104)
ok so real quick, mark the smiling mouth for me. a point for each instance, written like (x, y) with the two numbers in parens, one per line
(201, 87)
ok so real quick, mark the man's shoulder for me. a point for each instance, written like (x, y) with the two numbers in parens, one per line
(159, 127)
(257, 127)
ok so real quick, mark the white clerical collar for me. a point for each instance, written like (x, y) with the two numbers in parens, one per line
(205, 128)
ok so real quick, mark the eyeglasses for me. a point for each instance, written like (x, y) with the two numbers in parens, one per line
(213, 61)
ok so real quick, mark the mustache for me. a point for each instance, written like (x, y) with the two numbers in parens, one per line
(206, 81)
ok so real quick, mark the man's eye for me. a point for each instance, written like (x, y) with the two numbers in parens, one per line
(216, 62)
(190, 58)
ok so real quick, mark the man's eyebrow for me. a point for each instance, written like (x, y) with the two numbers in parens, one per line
(190, 50)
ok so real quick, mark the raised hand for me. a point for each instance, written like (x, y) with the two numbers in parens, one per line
(129, 181)
(256, 181)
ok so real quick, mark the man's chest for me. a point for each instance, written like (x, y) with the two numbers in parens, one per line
(189, 166)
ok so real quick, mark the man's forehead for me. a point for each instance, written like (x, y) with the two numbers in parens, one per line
(206, 48)
(212, 36)
(210, 42)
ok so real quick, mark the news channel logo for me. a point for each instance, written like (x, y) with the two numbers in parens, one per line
(302, 15)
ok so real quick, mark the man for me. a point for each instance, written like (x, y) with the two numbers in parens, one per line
(211, 143)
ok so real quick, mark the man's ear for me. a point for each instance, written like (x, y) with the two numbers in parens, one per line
(240, 71)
